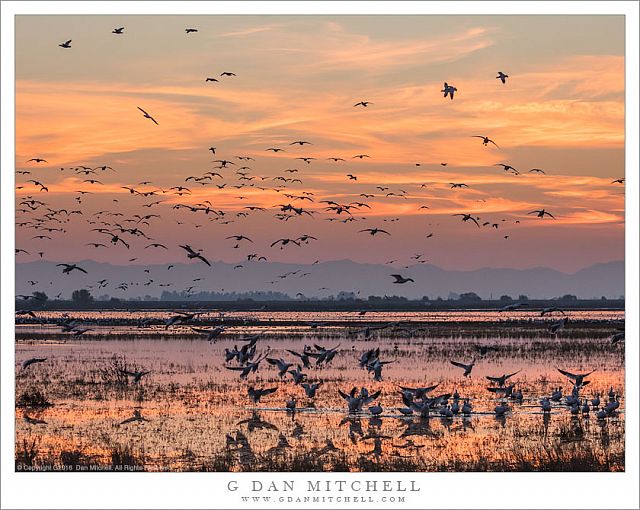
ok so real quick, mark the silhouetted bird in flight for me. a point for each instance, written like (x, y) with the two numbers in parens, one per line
(541, 213)
(502, 77)
(118, 31)
(147, 116)
(449, 90)
(467, 368)
(194, 254)
(137, 375)
(486, 140)
(136, 417)
(70, 267)
(401, 279)
(468, 217)
(28, 362)
(374, 231)
(66, 44)
(507, 167)
(502, 380)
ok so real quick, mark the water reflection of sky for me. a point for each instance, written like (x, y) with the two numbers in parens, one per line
(192, 402)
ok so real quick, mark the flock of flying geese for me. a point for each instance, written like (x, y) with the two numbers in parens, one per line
(113, 228)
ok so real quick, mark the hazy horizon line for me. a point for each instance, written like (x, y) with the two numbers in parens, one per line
(310, 264)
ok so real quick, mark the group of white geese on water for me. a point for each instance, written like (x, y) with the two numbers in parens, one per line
(417, 401)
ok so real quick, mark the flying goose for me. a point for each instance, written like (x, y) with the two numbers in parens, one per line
(502, 77)
(467, 368)
(577, 378)
(449, 90)
(501, 380)
(28, 362)
(147, 116)
(401, 279)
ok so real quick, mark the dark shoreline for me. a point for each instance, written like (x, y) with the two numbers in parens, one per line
(327, 306)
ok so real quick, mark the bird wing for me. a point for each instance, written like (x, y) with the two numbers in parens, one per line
(568, 374)
(457, 364)
(373, 396)
(198, 256)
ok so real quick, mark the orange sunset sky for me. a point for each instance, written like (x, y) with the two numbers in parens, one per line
(297, 78)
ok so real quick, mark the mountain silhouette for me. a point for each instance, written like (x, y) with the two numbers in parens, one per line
(333, 277)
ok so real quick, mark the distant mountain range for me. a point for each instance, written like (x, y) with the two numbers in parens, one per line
(320, 280)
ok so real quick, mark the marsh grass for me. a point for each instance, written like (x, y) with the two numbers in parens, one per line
(124, 457)
(27, 452)
(33, 398)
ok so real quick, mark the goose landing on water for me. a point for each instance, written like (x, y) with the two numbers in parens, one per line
(28, 362)
(467, 368)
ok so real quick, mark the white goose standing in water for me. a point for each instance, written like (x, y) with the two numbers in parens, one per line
(500, 410)
(546, 405)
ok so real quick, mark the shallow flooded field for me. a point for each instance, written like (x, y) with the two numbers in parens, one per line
(191, 412)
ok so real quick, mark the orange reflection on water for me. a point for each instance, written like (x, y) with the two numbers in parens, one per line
(197, 415)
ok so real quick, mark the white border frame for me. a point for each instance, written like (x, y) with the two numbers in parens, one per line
(195, 490)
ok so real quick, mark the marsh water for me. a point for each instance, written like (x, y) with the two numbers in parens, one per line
(194, 413)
